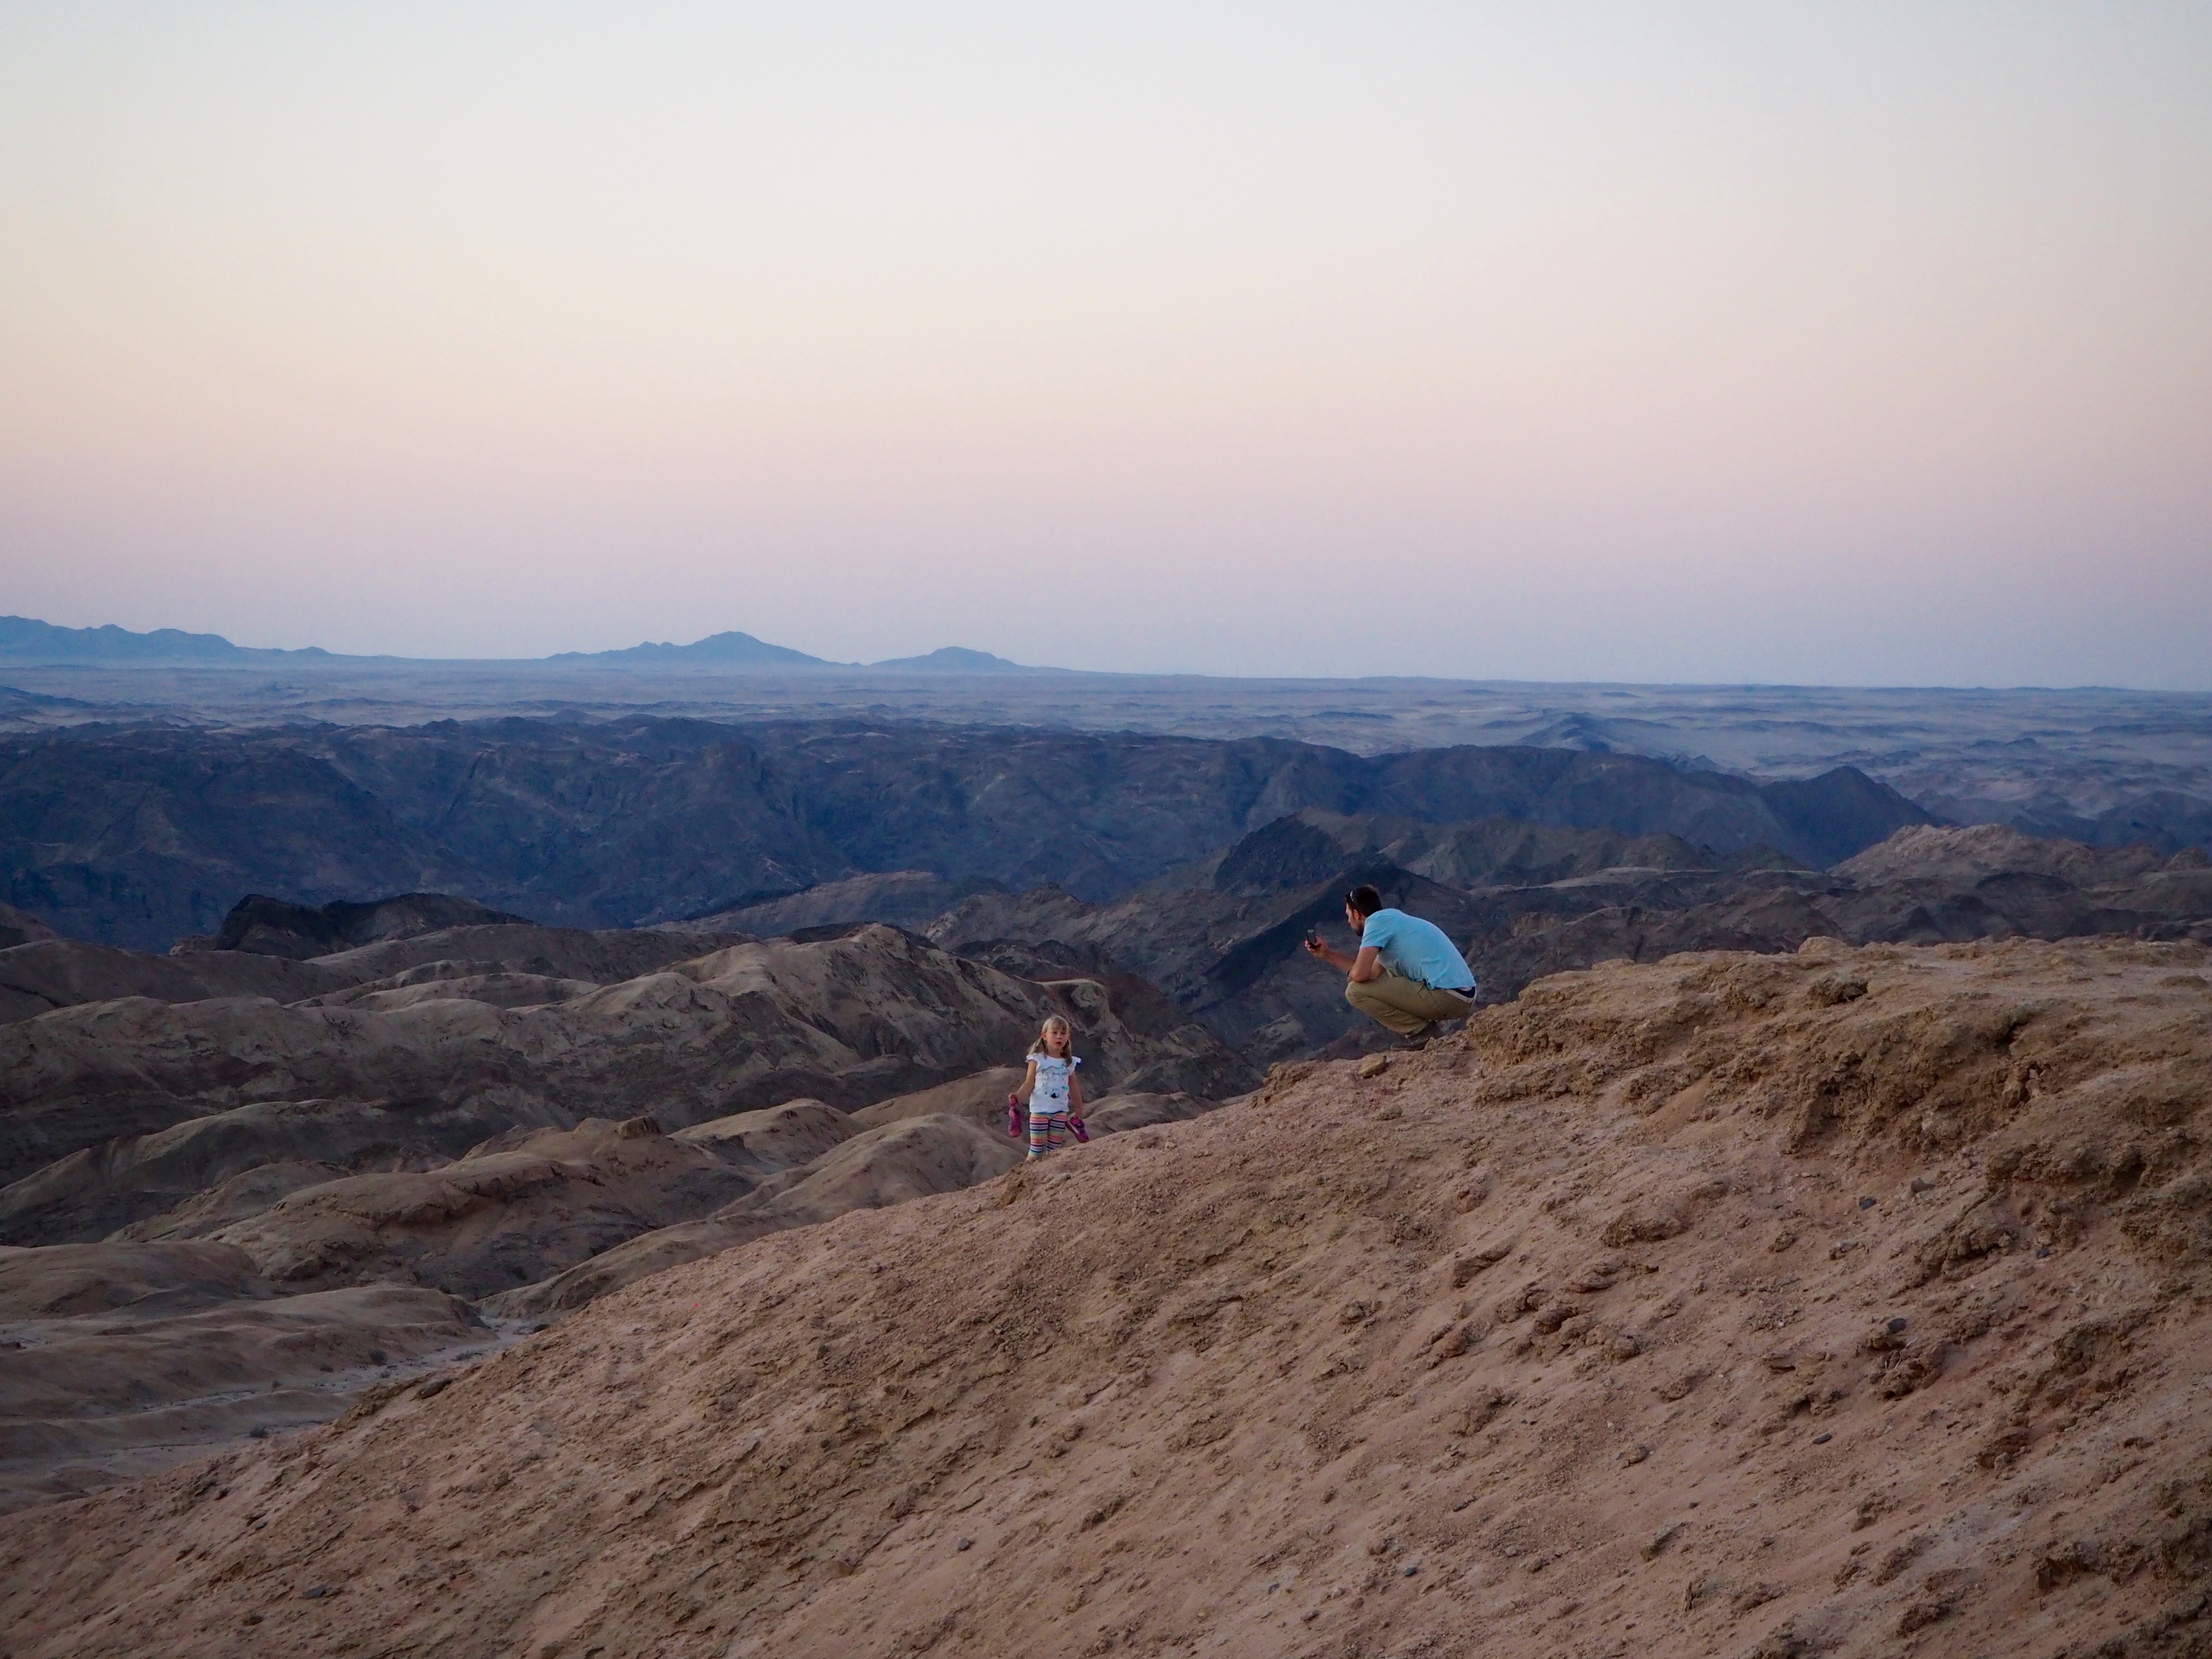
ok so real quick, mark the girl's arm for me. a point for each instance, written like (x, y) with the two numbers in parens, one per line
(1029, 1083)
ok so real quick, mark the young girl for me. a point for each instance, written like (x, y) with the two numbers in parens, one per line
(1050, 1089)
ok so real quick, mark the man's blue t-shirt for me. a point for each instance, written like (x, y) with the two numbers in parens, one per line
(1417, 950)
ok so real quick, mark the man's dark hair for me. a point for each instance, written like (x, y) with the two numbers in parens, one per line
(1365, 899)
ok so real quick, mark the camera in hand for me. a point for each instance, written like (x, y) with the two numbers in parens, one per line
(1313, 939)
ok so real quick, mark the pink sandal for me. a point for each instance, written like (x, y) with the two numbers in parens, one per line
(1014, 1114)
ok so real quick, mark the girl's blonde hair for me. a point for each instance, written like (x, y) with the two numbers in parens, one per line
(1052, 1022)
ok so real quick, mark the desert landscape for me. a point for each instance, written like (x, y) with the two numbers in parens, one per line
(1316, 832)
(611, 1243)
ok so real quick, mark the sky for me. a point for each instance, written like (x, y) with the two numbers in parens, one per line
(1857, 344)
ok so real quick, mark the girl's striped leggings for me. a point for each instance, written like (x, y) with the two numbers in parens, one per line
(1047, 1133)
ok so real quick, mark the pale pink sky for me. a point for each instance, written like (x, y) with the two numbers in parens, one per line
(1865, 343)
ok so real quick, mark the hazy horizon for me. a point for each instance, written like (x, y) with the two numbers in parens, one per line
(649, 667)
(1737, 345)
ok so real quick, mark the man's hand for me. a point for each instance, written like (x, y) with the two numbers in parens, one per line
(1321, 952)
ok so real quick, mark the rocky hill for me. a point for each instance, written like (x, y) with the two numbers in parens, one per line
(140, 835)
(1848, 1302)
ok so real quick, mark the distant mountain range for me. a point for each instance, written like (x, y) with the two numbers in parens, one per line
(25, 639)
(734, 649)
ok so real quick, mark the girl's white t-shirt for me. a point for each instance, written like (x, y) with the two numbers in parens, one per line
(1050, 1096)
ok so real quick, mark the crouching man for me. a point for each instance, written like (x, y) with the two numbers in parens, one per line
(1408, 976)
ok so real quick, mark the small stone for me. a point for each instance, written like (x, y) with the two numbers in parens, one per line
(434, 1387)
(1866, 1204)
(1635, 1454)
(1895, 1326)
(1822, 1439)
(1375, 1066)
(963, 1543)
(1408, 1570)
(316, 1592)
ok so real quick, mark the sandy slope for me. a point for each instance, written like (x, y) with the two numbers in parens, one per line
(1849, 1302)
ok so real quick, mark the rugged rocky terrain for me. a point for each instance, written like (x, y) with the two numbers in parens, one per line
(1847, 1301)
(849, 1021)
(1221, 936)
(232, 1213)
(141, 834)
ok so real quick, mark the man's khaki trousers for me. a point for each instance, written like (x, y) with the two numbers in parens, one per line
(1400, 1005)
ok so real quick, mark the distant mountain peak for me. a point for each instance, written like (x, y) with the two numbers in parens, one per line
(727, 648)
(960, 659)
